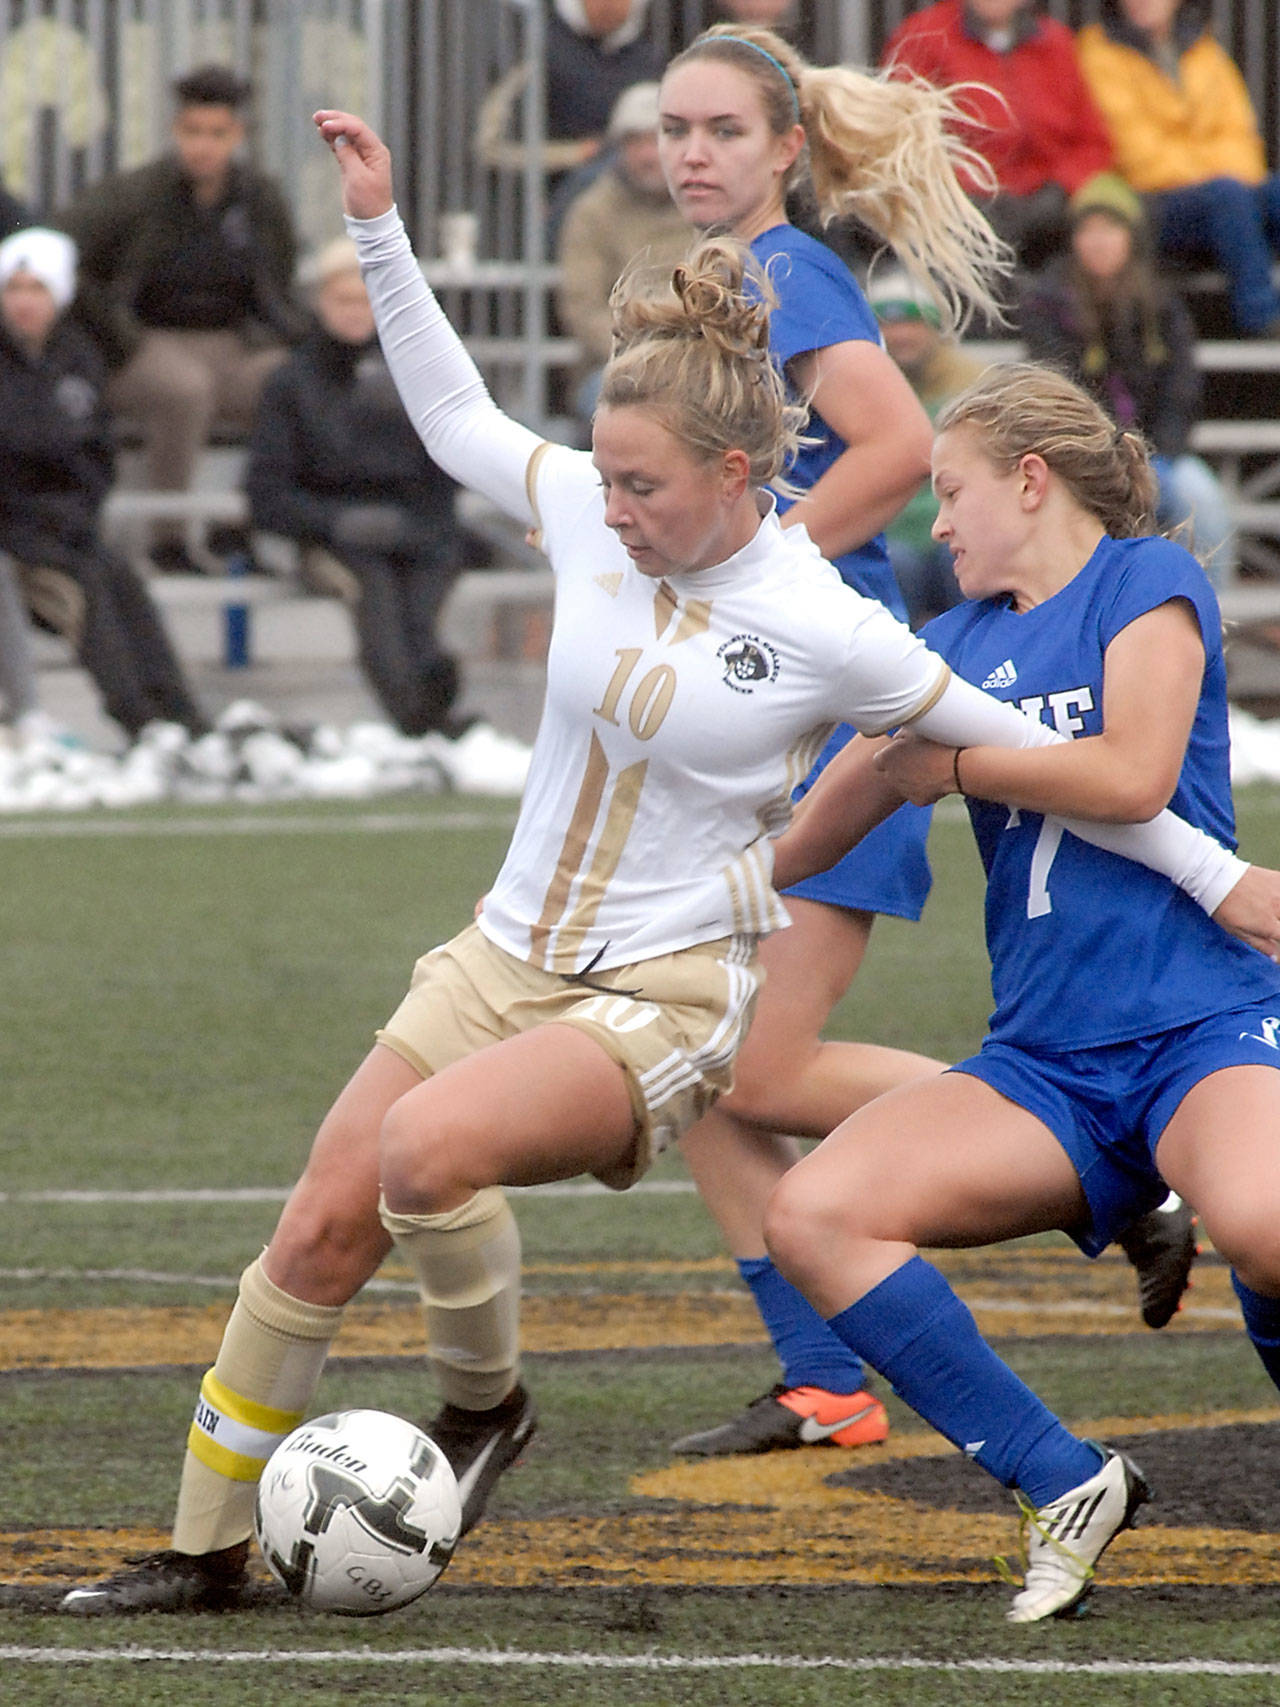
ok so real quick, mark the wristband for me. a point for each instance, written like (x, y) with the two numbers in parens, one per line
(955, 769)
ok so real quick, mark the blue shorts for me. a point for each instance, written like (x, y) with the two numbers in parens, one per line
(1108, 1106)
(888, 871)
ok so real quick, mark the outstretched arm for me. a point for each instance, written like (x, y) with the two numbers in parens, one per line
(440, 386)
(854, 793)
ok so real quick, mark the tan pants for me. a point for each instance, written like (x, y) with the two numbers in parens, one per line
(176, 384)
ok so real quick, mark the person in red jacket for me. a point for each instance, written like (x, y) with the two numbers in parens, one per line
(1035, 121)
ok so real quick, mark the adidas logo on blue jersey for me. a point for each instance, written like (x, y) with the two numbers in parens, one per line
(1003, 676)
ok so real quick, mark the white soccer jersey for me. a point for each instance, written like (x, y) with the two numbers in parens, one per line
(680, 715)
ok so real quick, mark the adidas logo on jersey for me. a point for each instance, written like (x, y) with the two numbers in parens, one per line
(1003, 676)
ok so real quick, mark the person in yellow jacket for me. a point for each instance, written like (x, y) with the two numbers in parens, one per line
(1186, 138)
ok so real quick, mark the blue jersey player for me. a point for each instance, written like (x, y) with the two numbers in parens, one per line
(1133, 1042)
(743, 121)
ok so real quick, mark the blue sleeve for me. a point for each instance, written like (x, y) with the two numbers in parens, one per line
(1154, 572)
(817, 306)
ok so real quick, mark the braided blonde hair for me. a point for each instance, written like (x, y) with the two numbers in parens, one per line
(692, 347)
(884, 146)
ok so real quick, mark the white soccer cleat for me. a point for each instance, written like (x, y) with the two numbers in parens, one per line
(1066, 1538)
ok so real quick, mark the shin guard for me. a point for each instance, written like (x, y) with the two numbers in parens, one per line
(467, 1264)
(273, 1350)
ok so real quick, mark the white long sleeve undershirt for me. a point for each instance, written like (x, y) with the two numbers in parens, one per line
(440, 386)
(965, 716)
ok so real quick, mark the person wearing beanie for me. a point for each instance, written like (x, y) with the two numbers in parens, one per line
(1034, 121)
(625, 216)
(1186, 137)
(55, 470)
(1102, 314)
(18, 683)
(938, 368)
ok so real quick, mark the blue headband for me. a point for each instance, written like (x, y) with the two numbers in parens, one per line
(777, 65)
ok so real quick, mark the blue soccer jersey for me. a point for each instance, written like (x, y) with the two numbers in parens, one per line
(1088, 948)
(820, 303)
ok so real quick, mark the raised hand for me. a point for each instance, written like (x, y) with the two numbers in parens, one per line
(363, 160)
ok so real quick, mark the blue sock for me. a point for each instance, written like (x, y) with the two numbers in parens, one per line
(810, 1353)
(923, 1340)
(1262, 1324)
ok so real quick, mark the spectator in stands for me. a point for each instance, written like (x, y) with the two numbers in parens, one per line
(1034, 120)
(55, 470)
(776, 15)
(1186, 137)
(186, 270)
(335, 465)
(626, 215)
(938, 369)
(1102, 315)
(17, 666)
(595, 50)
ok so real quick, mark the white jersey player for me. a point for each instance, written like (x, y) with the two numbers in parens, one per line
(595, 1011)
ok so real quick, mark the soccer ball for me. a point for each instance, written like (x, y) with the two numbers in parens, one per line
(357, 1512)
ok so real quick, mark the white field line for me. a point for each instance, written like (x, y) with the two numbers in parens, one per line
(277, 1194)
(254, 824)
(265, 823)
(406, 1289)
(163, 1277)
(565, 1188)
(502, 1658)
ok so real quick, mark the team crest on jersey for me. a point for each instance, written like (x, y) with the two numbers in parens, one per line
(748, 661)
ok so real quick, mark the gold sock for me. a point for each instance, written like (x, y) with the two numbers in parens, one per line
(272, 1352)
(467, 1264)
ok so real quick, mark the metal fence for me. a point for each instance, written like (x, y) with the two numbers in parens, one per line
(84, 89)
(84, 85)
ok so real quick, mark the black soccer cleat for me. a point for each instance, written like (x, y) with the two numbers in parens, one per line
(167, 1582)
(480, 1445)
(787, 1417)
(1162, 1247)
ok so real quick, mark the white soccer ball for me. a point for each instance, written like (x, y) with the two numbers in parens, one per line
(357, 1512)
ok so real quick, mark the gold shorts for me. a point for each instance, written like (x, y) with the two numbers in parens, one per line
(674, 1024)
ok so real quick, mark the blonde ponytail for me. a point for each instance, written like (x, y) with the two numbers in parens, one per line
(886, 147)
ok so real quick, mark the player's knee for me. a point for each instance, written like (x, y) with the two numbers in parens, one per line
(414, 1159)
(792, 1228)
(1246, 1233)
(328, 1243)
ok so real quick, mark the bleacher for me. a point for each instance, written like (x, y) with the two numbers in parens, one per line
(483, 619)
(1239, 436)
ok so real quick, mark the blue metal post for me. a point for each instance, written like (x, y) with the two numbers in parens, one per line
(235, 616)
